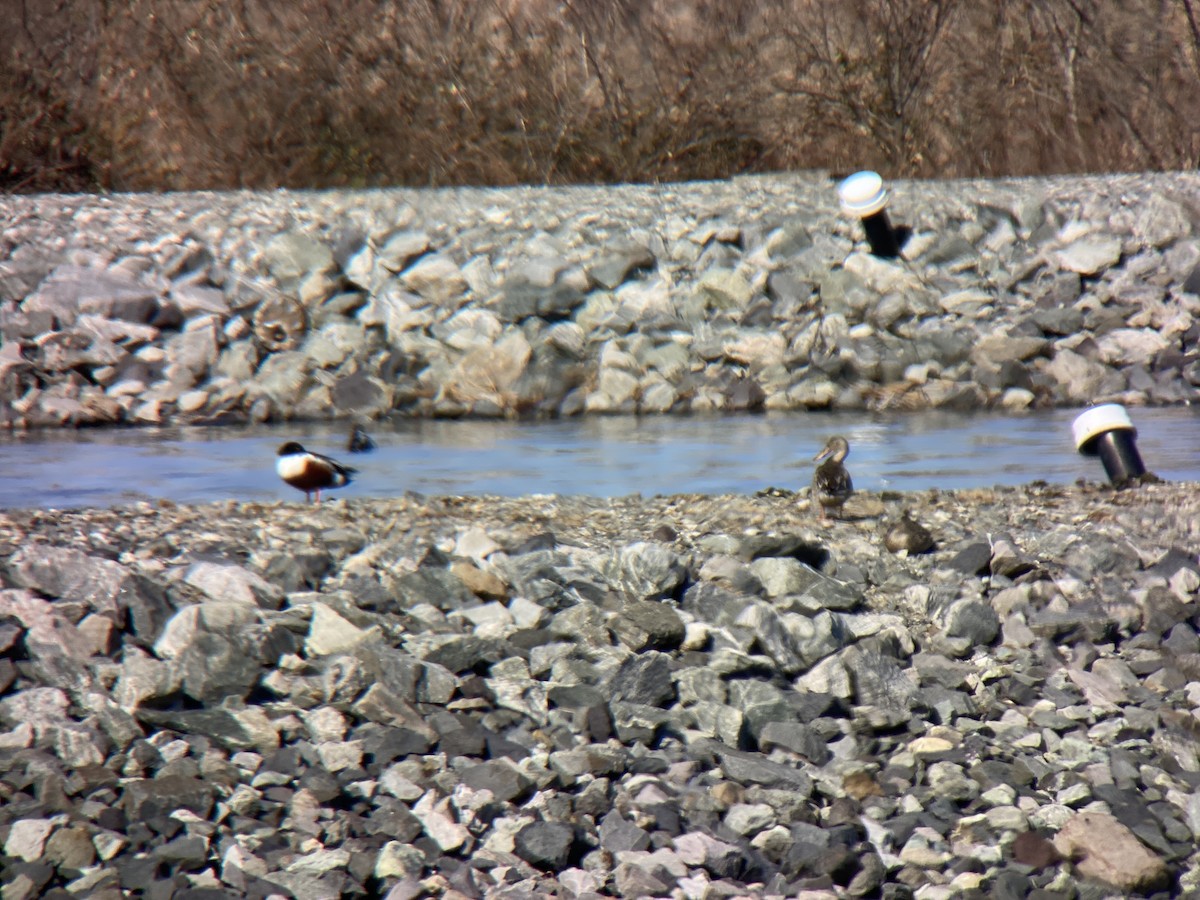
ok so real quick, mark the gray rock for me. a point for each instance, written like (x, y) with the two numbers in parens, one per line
(878, 680)
(401, 248)
(330, 634)
(1131, 346)
(70, 848)
(193, 299)
(648, 625)
(1090, 254)
(616, 392)
(333, 344)
(192, 621)
(1058, 321)
(750, 818)
(489, 373)
(972, 559)
(67, 574)
(794, 737)
(70, 291)
(567, 338)
(229, 583)
(999, 348)
(462, 653)
(716, 720)
(781, 576)
(143, 678)
(1008, 560)
(1108, 852)
(212, 668)
(646, 571)
(639, 722)
(617, 262)
(755, 768)
(1156, 222)
(521, 301)
(644, 679)
(362, 394)
(27, 838)
(47, 633)
(828, 594)
(973, 620)
(724, 289)
(148, 797)
(761, 703)
(436, 277)
(717, 857)
(547, 845)
(617, 834)
(292, 256)
(795, 642)
(284, 377)
(1078, 378)
(633, 880)
(501, 778)
(700, 684)
(713, 603)
(427, 584)
(238, 361)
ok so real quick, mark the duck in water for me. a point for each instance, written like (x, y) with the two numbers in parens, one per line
(360, 441)
(831, 484)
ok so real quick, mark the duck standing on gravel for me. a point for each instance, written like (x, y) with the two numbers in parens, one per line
(831, 484)
(311, 472)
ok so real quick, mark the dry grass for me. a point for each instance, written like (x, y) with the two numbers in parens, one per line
(182, 94)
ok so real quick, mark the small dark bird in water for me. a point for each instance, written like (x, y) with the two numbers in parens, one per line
(311, 472)
(360, 441)
(907, 534)
(831, 484)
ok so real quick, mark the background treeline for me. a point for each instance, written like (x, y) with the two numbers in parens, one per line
(177, 94)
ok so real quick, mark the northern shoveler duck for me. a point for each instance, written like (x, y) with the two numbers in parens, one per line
(311, 472)
(831, 483)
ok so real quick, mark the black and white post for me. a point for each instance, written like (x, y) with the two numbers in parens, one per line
(1107, 431)
(864, 197)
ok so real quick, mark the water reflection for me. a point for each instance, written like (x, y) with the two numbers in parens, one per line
(597, 456)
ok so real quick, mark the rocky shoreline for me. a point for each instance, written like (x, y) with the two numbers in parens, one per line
(549, 696)
(754, 293)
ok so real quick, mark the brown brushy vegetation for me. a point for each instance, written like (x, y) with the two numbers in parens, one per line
(184, 94)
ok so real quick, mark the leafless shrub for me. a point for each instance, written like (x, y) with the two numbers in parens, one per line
(1076, 85)
(45, 139)
(173, 94)
(866, 68)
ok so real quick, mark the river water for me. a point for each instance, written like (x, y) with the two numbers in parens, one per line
(596, 456)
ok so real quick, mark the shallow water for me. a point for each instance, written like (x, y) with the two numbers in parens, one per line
(597, 456)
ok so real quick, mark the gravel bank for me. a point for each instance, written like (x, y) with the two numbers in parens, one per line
(678, 696)
(754, 293)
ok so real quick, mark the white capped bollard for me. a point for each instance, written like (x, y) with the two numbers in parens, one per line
(1108, 432)
(863, 197)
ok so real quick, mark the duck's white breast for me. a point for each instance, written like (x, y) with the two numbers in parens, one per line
(291, 466)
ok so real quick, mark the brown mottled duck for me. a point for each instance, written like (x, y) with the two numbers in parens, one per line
(831, 484)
